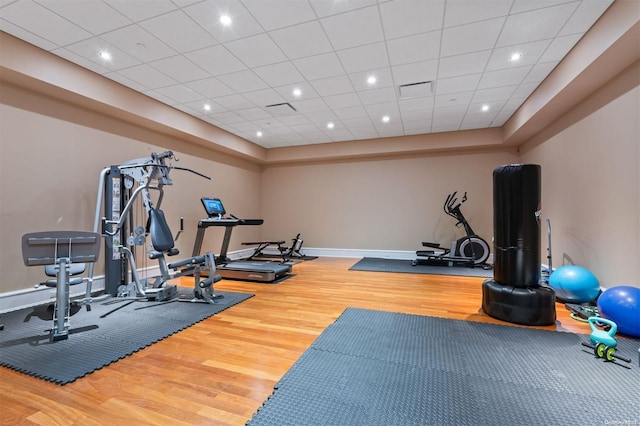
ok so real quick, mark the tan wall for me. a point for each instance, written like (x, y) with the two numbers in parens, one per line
(590, 182)
(51, 157)
(383, 203)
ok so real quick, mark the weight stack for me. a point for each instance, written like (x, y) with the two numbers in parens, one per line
(514, 294)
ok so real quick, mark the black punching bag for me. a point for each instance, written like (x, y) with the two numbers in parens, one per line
(515, 294)
(516, 225)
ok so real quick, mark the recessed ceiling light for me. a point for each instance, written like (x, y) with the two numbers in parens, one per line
(385, 119)
(515, 57)
(105, 55)
(207, 107)
(297, 92)
(330, 125)
(259, 134)
(485, 108)
(372, 79)
(225, 20)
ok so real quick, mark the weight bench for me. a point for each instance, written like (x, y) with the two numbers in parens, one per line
(261, 245)
(62, 253)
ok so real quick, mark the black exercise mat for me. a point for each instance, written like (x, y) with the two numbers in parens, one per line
(375, 264)
(382, 368)
(112, 330)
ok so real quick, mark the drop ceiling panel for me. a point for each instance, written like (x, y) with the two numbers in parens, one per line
(217, 60)
(402, 18)
(243, 81)
(531, 53)
(535, 25)
(273, 14)
(351, 112)
(344, 100)
(92, 63)
(355, 28)
(210, 87)
(38, 20)
(416, 104)
(415, 48)
(458, 84)
(306, 92)
(139, 43)
(415, 72)
(460, 12)
(302, 40)
(180, 69)
(582, 19)
(139, 10)
(233, 102)
(264, 97)
(179, 94)
(559, 47)
(471, 37)
(333, 85)
(147, 76)
(501, 78)
(383, 78)
(180, 53)
(364, 58)
(90, 50)
(319, 66)
(326, 8)
(95, 17)
(28, 36)
(256, 51)
(206, 14)
(280, 74)
(469, 63)
(179, 31)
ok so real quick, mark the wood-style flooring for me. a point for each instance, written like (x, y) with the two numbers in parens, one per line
(219, 371)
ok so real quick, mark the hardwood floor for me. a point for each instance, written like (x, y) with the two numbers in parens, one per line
(219, 371)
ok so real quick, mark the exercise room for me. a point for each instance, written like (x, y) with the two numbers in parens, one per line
(319, 212)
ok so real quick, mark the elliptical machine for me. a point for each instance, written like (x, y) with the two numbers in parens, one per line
(470, 250)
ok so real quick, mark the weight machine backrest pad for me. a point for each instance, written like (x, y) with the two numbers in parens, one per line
(161, 237)
(45, 248)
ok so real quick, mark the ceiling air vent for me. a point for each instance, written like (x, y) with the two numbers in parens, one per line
(416, 90)
(279, 110)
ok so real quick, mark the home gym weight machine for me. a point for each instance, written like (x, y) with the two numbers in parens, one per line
(470, 250)
(117, 193)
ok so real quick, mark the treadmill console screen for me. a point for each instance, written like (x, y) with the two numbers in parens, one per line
(213, 207)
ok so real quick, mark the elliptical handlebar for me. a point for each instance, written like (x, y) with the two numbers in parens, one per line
(452, 208)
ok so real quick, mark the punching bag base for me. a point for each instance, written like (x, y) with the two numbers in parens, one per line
(525, 306)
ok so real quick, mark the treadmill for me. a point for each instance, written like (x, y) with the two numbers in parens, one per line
(244, 269)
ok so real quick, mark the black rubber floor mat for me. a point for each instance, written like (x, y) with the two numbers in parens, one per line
(376, 264)
(112, 330)
(382, 368)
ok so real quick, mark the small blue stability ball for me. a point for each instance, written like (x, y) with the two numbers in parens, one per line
(574, 284)
(621, 305)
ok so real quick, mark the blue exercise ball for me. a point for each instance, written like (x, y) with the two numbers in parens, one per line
(621, 305)
(574, 284)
